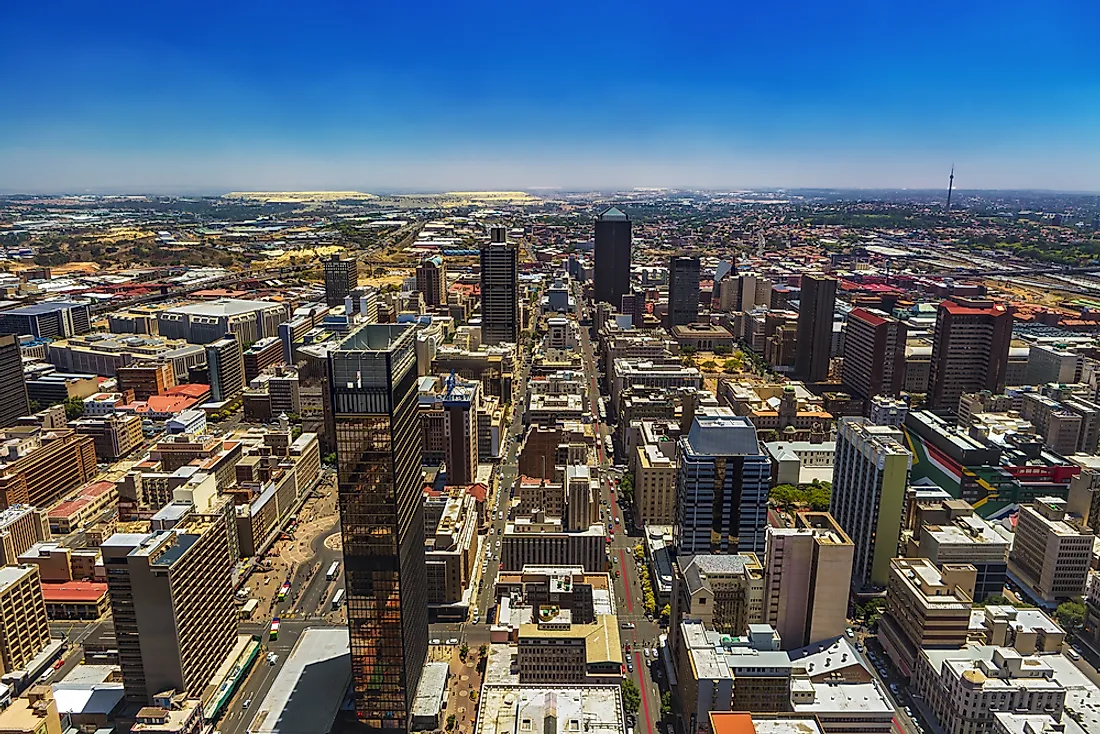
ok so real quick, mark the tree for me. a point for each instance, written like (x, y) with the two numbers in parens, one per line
(74, 408)
(483, 652)
(994, 600)
(666, 612)
(785, 495)
(1071, 614)
(632, 697)
(463, 651)
(666, 703)
(329, 459)
(451, 722)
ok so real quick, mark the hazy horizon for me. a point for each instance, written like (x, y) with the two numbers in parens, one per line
(331, 96)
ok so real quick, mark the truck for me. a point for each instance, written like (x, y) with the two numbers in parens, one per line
(274, 634)
(333, 571)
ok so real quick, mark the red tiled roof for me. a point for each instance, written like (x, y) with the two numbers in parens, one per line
(87, 592)
(194, 390)
(864, 315)
(959, 309)
(725, 722)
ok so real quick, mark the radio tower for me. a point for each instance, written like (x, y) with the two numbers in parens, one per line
(950, 186)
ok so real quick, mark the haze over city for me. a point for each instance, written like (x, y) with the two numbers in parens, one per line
(210, 97)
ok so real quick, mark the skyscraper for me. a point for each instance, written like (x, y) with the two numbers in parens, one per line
(870, 474)
(13, 384)
(341, 278)
(612, 257)
(431, 281)
(722, 486)
(460, 405)
(373, 385)
(172, 605)
(874, 354)
(225, 362)
(683, 290)
(807, 573)
(969, 351)
(816, 304)
(499, 299)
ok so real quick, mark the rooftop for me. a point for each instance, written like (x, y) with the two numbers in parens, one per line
(595, 709)
(222, 307)
(310, 688)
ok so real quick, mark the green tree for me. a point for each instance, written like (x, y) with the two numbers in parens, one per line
(632, 697)
(666, 703)
(329, 459)
(1071, 614)
(451, 722)
(74, 408)
(994, 600)
(463, 652)
(819, 498)
(785, 496)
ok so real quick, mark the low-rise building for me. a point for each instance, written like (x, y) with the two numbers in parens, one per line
(1027, 631)
(801, 462)
(33, 713)
(543, 541)
(555, 650)
(592, 709)
(84, 601)
(724, 592)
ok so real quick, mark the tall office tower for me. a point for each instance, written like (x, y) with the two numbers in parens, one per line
(225, 362)
(870, 474)
(683, 290)
(341, 278)
(612, 257)
(373, 384)
(816, 304)
(969, 351)
(431, 281)
(460, 406)
(13, 384)
(24, 627)
(172, 605)
(722, 486)
(807, 574)
(499, 298)
(874, 354)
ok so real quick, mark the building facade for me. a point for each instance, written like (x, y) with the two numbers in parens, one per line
(612, 257)
(13, 384)
(874, 354)
(815, 327)
(969, 351)
(341, 278)
(499, 289)
(683, 290)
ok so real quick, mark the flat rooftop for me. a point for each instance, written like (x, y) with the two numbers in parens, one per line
(310, 688)
(592, 709)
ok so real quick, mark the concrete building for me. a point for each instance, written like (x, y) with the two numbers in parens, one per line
(722, 486)
(656, 468)
(1049, 555)
(41, 467)
(964, 688)
(702, 337)
(110, 356)
(553, 649)
(47, 320)
(21, 526)
(202, 323)
(807, 575)
(341, 278)
(543, 541)
(1049, 363)
(725, 592)
(1027, 631)
(33, 713)
(148, 378)
(265, 353)
(12, 382)
(816, 304)
(225, 360)
(926, 607)
(969, 351)
(451, 553)
(172, 603)
(24, 627)
(874, 354)
(593, 709)
(114, 436)
(611, 279)
(870, 475)
(683, 290)
(499, 289)
(949, 531)
(801, 462)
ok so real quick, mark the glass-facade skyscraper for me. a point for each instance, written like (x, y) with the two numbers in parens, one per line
(372, 379)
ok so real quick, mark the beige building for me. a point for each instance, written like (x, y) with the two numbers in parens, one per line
(34, 713)
(21, 526)
(655, 469)
(925, 608)
(183, 717)
(1049, 554)
(451, 549)
(724, 592)
(554, 650)
(807, 574)
(1027, 631)
(542, 541)
(24, 627)
(172, 601)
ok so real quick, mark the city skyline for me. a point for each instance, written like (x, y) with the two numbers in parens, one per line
(849, 96)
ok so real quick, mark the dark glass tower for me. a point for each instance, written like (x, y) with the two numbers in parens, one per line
(816, 304)
(683, 290)
(12, 382)
(499, 296)
(612, 271)
(372, 378)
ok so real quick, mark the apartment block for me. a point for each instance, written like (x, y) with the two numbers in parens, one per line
(807, 575)
(1050, 555)
(21, 526)
(969, 350)
(926, 607)
(24, 627)
(172, 603)
(543, 541)
(874, 354)
(554, 649)
(655, 475)
(39, 467)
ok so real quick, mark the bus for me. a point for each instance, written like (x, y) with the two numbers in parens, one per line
(249, 607)
(283, 591)
(609, 448)
(337, 599)
(333, 571)
(274, 635)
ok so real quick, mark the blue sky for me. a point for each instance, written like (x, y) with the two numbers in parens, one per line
(201, 96)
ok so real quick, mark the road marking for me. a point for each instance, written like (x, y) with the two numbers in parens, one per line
(645, 698)
(626, 581)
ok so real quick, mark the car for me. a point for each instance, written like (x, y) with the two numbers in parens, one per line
(435, 641)
(645, 651)
(247, 703)
(850, 632)
(628, 647)
(627, 625)
(452, 641)
(1073, 654)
